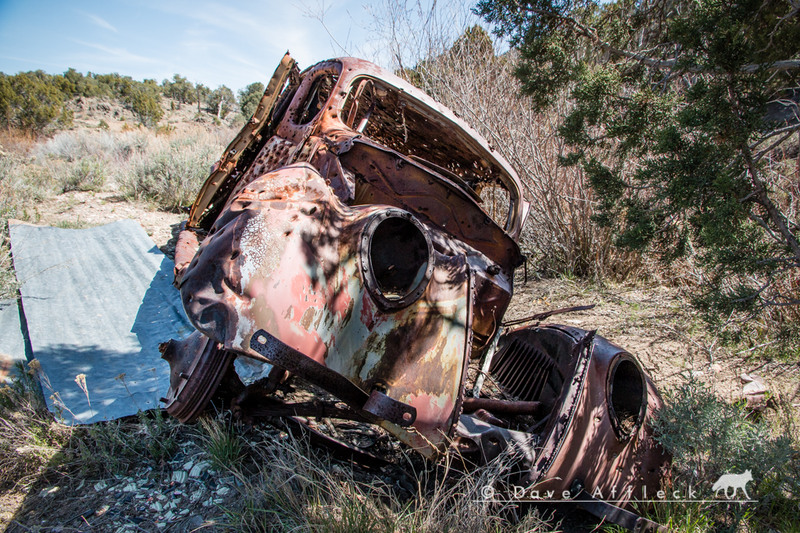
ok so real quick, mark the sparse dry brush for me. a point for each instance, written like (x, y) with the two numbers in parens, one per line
(287, 486)
(29, 437)
(172, 170)
(457, 62)
(165, 169)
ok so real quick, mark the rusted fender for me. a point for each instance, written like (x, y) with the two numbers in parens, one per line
(586, 442)
(287, 257)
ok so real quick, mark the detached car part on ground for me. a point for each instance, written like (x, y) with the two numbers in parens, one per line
(358, 235)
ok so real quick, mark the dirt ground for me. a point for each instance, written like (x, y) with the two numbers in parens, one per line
(655, 324)
(79, 209)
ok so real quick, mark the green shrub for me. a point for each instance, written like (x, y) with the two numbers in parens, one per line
(146, 104)
(708, 437)
(249, 97)
(172, 174)
(86, 175)
(31, 102)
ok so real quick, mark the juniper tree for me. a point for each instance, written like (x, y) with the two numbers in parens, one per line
(679, 107)
(179, 88)
(221, 101)
(249, 97)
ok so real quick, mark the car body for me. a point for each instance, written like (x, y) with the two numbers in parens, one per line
(359, 235)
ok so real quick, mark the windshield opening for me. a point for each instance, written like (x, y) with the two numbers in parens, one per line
(392, 118)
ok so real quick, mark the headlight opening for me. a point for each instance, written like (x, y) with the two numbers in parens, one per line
(396, 258)
(627, 396)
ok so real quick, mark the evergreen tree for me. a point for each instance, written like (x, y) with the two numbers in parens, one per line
(249, 98)
(678, 106)
(179, 89)
(201, 93)
(30, 101)
(144, 99)
(221, 101)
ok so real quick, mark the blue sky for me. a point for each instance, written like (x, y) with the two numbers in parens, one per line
(208, 41)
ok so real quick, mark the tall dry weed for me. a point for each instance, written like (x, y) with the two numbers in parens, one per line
(29, 437)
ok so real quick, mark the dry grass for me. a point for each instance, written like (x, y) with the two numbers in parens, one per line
(288, 486)
(29, 437)
(281, 483)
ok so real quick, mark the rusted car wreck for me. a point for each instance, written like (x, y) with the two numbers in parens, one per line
(360, 236)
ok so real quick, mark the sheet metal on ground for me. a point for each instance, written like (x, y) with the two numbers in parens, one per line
(12, 339)
(97, 302)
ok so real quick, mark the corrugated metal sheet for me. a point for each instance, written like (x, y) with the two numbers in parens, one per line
(12, 340)
(97, 302)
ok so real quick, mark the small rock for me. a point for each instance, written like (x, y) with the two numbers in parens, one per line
(49, 491)
(196, 495)
(100, 485)
(179, 476)
(157, 507)
(755, 386)
(697, 373)
(199, 468)
(745, 378)
(193, 522)
(716, 368)
(224, 491)
(169, 516)
(756, 402)
(188, 466)
(130, 487)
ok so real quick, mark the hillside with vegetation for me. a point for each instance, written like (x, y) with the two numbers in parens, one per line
(659, 146)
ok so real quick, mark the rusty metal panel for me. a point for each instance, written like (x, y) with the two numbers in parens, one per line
(284, 257)
(244, 140)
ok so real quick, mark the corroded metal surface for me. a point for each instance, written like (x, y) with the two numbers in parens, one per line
(580, 442)
(346, 237)
(284, 258)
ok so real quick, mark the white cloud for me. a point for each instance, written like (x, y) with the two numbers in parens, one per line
(102, 23)
(118, 54)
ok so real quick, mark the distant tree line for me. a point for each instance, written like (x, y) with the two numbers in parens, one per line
(36, 101)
